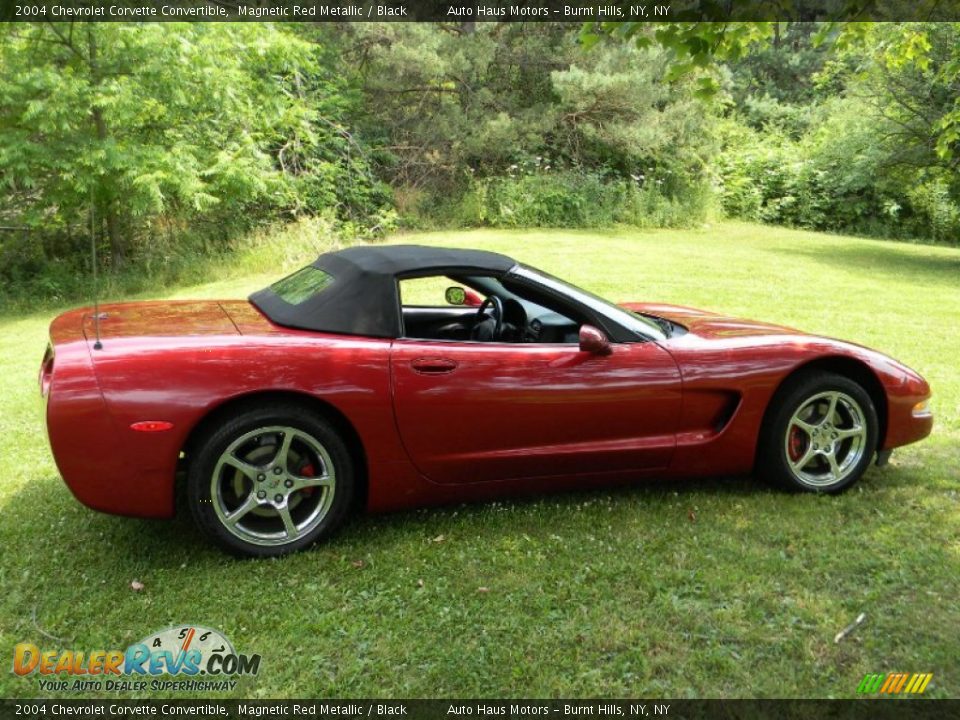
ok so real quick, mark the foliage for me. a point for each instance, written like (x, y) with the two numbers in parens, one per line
(693, 47)
(699, 47)
(462, 112)
(268, 251)
(247, 129)
(911, 76)
(865, 161)
(936, 209)
(919, 69)
(615, 112)
(826, 180)
(539, 197)
(371, 125)
(779, 84)
(441, 98)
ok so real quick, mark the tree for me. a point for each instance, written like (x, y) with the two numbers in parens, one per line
(699, 46)
(693, 47)
(447, 105)
(168, 128)
(444, 97)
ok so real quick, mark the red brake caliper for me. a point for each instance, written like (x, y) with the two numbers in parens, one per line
(308, 471)
(796, 443)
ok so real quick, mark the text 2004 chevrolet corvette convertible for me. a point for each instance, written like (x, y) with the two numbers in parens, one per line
(326, 391)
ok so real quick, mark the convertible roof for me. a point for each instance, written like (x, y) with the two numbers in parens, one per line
(363, 297)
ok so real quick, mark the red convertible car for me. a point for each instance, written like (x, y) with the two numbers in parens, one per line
(332, 389)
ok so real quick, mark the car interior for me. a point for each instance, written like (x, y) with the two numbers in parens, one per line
(481, 309)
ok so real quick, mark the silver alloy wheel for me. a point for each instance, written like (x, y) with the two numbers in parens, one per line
(273, 485)
(826, 439)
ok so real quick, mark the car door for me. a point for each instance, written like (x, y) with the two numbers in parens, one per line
(479, 411)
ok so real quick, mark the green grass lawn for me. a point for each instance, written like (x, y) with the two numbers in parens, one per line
(715, 588)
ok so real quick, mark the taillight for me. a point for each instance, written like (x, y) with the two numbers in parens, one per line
(46, 371)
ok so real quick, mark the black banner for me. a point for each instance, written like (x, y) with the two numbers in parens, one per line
(878, 709)
(576, 11)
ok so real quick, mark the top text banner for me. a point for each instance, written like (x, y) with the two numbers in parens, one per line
(474, 11)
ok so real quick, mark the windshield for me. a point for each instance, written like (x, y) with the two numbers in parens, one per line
(621, 316)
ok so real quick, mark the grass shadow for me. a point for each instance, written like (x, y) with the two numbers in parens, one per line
(891, 260)
(161, 544)
(367, 529)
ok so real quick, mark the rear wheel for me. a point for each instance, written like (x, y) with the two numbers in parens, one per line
(820, 435)
(270, 481)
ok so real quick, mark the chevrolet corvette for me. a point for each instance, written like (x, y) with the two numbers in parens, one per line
(337, 388)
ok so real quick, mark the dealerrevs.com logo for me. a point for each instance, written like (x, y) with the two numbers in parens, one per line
(183, 651)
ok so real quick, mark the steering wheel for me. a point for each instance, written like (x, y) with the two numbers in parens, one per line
(514, 321)
(496, 305)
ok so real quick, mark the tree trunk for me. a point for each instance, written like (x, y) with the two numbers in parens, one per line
(107, 203)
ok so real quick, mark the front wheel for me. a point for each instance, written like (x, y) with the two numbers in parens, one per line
(270, 481)
(820, 436)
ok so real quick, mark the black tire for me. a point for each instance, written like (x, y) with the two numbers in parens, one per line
(255, 436)
(784, 444)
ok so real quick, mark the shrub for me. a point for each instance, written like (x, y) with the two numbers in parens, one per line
(936, 210)
(32, 281)
(837, 177)
(573, 198)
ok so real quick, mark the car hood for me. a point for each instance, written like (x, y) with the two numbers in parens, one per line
(709, 324)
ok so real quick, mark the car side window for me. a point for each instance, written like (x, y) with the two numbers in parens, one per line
(424, 291)
(507, 317)
(426, 313)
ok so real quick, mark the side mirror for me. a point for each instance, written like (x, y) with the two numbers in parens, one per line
(456, 296)
(592, 340)
(473, 299)
(460, 296)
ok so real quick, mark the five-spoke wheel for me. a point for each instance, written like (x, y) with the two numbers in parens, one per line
(272, 485)
(819, 435)
(270, 481)
(826, 438)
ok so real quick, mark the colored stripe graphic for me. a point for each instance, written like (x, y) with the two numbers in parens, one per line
(895, 683)
(870, 683)
(891, 682)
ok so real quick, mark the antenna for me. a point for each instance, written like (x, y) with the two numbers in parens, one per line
(96, 284)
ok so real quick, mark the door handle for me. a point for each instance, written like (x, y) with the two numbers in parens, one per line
(433, 366)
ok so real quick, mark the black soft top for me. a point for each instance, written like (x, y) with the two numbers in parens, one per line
(363, 298)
